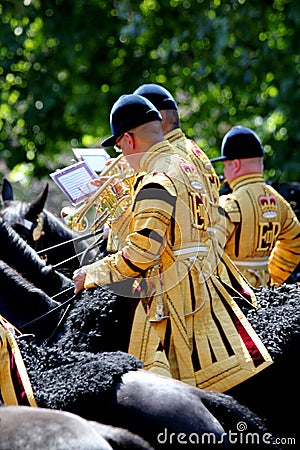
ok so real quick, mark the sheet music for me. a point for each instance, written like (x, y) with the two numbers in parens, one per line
(95, 157)
(75, 181)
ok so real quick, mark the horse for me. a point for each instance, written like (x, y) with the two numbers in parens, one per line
(23, 428)
(19, 255)
(21, 302)
(99, 320)
(61, 247)
(26, 281)
(52, 390)
(113, 389)
(276, 321)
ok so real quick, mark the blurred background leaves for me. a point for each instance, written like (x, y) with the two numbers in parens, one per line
(65, 62)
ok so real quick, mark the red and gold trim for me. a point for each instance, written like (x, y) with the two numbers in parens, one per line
(15, 385)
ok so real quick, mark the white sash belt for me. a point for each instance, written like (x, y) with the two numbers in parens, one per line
(187, 250)
(263, 263)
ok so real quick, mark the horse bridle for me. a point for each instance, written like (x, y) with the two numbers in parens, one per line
(37, 231)
(61, 305)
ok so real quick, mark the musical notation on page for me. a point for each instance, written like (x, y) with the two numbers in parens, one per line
(75, 181)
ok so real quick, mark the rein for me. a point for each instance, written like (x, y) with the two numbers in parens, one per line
(82, 254)
(37, 231)
(49, 339)
(67, 302)
(77, 239)
(61, 305)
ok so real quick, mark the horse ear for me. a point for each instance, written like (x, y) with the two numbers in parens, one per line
(7, 191)
(37, 205)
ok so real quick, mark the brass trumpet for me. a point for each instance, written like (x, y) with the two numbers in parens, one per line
(110, 200)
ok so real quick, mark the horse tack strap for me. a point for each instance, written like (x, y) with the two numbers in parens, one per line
(15, 385)
(37, 230)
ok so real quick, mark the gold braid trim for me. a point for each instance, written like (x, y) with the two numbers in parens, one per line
(8, 344)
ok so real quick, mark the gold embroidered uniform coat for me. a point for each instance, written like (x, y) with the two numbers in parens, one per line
(262, 231)
(187, 149)
(187, 324)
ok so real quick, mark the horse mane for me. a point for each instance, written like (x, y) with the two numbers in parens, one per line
(21, 302)
(16, 251)
(19, 255)
(99, 320)
(25, 217)
(277, 318)
(55, 374)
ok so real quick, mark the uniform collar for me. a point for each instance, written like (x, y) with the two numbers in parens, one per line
(173, 135)
(154, 154)
(247, 179)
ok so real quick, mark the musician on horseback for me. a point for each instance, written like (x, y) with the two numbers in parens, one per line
(188, 323)
(261, 229)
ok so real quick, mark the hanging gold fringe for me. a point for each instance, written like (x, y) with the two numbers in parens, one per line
(9, 354)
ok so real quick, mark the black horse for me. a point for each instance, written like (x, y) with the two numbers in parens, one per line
(15, 252)
(111, 388)
(99, 321)
(276, 322)
(80, 382)
(102, 323)
(61, 247)
(26, 284)
(21, 302)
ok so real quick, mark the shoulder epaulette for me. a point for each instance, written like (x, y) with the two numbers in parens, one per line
(160, 179)
(231, 207)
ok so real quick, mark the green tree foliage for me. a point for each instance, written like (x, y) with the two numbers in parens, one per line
(65, 62)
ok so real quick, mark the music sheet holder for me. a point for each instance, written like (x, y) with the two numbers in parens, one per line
(75, 181)
(94, 157)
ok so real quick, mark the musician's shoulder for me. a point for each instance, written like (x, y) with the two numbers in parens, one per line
(231, 206)
(157, 179)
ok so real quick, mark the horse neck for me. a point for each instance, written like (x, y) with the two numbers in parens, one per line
(20, 301)
(55, 231)
(19, 255)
